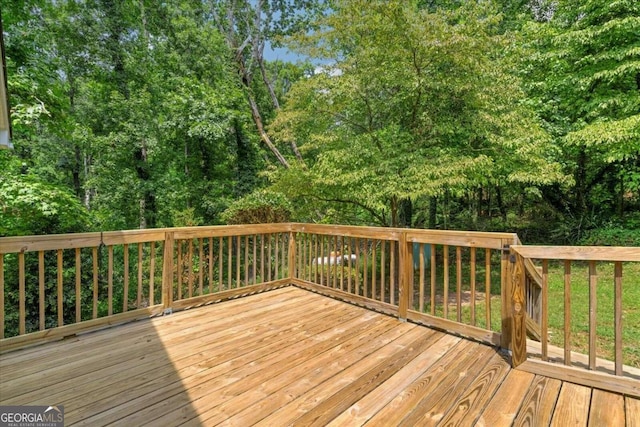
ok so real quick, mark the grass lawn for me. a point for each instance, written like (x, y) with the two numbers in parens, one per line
(579, 307)
(604, 309)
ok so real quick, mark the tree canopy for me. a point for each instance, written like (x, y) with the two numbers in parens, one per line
(415, 104)
(494, 115)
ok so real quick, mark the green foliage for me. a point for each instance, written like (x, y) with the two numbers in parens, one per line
(583, 77)
(30, 206)
(417, 104)
(259, 207)
(186, 218)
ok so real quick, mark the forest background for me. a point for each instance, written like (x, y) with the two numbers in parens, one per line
(520, 116)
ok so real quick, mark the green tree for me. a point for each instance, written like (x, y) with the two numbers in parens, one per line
(583, 75)
(414, 104)
(247, 27)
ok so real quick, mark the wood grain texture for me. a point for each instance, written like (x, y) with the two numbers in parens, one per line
(572, 408)
(503, 408)
(607, 409)
(632, 408)
(289, 357)
(580, 253)
(539, 402)
(468, 406)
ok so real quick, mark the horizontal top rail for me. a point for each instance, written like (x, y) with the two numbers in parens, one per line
(85, 240)
(580, 253)
(381, 233)
(444, 237)
(462, 238)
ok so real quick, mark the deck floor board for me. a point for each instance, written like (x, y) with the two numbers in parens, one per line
(291, 357)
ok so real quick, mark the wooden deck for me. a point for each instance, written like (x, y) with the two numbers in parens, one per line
(292, 357)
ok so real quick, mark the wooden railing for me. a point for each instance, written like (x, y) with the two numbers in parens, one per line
(481, 285)
(590, 368)
(444, 279)
(59, 285)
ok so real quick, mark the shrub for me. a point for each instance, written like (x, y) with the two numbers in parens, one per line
(259, 207)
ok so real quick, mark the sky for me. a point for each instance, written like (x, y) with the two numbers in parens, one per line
(281, 53)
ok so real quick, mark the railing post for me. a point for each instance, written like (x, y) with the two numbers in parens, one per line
(405, 261)
(518, 307)
(505, 295)
(292, 255)
(167, 272)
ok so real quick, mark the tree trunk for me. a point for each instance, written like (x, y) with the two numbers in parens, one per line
(257, 119)
(405, 213)
(274, 98)
(501, 207)
(267, 82)
(581, 183)
(433, 212)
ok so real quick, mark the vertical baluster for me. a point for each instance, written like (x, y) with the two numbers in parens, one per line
(246, 260)
(152, 270)
(445, 301)
(238, 247)
(459, 283)
(210, 265)
(618, 316)
(95, 283)
(78, 290)
(392, 272)
(365, 266)
(334, 269)
(168, 251)
(433, 279)
(277, 256)
(189, 267)
(342, 255)
(269, 238)
(262, 278)
(374, 269)
(41, 314)
(544, 333)
(421, 301)
(60, 288)
(487, 287)
(317, 263)
(284, 255)
(221, 263)
(383, 264)
(139, 296)
(314, 261)
(593, 281)
(179, 280)
(321, 262)
(110, 279)
(201, 266)
(473, 287)
(302, 259)
(229, 261)
(567, 312)
(255, 259)
(22, 294)
(125, 296)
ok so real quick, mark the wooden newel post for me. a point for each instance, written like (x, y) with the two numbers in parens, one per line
(518, 310)
(292, 255)
(167, 272)
(505, 295)
(405, 250)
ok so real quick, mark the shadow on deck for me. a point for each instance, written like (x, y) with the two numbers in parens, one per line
(292, 357)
